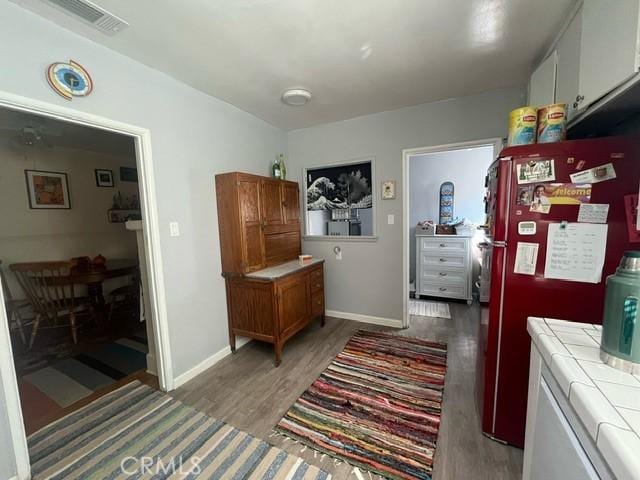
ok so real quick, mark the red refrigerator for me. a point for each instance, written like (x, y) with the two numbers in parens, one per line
(512, 180)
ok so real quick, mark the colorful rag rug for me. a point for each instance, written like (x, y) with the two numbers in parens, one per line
(377, 406)
(137, 432)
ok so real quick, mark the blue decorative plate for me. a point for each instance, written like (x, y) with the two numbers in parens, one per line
(69, 79)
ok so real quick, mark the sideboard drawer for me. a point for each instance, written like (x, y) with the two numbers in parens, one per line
(457, 291)
(443, 276)
(317, 280)
(317, 303)
(452, 245)
(448, 260)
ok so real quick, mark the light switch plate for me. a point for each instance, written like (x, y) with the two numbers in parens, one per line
(391, 219)
(174, 229)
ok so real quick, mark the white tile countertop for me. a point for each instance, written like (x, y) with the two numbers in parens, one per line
(605, 400)
(277, 271)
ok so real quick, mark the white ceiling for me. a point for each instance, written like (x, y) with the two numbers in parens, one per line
(356, 56)
(54, 133)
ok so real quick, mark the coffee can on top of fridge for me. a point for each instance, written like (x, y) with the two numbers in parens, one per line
(552, 123)
(522, 126)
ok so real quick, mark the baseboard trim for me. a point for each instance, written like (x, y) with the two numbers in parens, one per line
(358, 317)
(207, 363)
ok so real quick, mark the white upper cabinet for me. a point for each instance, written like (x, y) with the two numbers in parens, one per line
(596, 53)
(609, 48)
(568, 70)
(542, 87)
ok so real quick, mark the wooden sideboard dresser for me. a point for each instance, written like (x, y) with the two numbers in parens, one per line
(271, 295)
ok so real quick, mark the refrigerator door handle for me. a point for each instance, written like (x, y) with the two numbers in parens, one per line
(500, 244)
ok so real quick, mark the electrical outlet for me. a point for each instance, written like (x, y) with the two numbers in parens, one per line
(338, 252)
(174, 229)
(391, 219)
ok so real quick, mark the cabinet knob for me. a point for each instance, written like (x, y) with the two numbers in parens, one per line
(317, 285)
(443, 260)
(443, 245)
(442, 289)
(442, 274)
(319, 302)
(579, 98)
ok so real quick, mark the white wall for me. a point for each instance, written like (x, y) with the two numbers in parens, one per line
(368, 279)
(30, 235)
(194, 136)
(466, 168)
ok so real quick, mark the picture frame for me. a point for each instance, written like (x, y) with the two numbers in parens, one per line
(104, 178)
(129, 174)
(388, 190)
(47, 190)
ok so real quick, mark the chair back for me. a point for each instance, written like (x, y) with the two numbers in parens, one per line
(48, 285)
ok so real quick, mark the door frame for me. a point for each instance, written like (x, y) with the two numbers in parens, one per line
(151, 231)
(407, 153)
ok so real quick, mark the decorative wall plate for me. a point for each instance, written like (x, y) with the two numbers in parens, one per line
(69, 79)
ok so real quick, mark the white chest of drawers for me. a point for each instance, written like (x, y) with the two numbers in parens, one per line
(444, 266)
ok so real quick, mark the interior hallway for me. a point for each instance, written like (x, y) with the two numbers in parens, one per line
(246, 391)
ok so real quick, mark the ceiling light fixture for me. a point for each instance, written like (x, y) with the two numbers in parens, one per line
(296, 97)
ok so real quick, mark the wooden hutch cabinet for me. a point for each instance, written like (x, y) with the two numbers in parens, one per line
(271, 295)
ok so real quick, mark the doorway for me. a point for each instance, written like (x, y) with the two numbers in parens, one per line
(151, 267)
(443, 184)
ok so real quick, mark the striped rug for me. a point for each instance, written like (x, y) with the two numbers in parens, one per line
(139, 433)
(45, 392)
(377, 406)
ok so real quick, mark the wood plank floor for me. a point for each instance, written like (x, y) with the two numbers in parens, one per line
(246, 391)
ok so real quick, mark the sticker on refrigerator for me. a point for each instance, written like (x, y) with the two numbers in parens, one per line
(595, 174)
(527, 228)
(631, 214)
(526, 258)
(575, 252)
(536, 171)
(593, 213)
(540, 208)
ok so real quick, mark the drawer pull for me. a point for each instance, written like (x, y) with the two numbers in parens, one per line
(319, 302)
(318, 285)
(442, 289)
(443, 259)
(442, 274)
(443, 245)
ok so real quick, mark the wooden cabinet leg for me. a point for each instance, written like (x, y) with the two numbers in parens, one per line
(277, 347)
(232, 342)
(322, 320)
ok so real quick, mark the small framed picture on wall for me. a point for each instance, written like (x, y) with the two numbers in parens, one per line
(104, 178)
(388, 190)
(128, 174)
(47, 190)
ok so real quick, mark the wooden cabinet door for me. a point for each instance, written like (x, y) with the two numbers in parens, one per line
(294, 306)
(271, 202)
(251, 225)
(291, 203)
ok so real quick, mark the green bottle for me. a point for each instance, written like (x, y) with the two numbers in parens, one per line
(620, 346)
(275, 170)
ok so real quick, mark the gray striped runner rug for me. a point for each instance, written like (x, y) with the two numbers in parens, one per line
(136, 432)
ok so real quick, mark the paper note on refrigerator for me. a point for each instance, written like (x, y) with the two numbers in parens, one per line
(575, 252)
(526, 258)
(593, 212)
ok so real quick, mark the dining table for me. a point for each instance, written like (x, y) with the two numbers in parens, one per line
(94, 275)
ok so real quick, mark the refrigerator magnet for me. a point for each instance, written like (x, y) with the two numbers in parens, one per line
(536, 171)
(527, 228)
(595, 174)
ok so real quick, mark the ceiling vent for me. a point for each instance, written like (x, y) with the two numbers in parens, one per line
(91, 14)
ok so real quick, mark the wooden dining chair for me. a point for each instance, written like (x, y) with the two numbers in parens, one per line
(126, 298)
(52, 293)
(13, 307)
